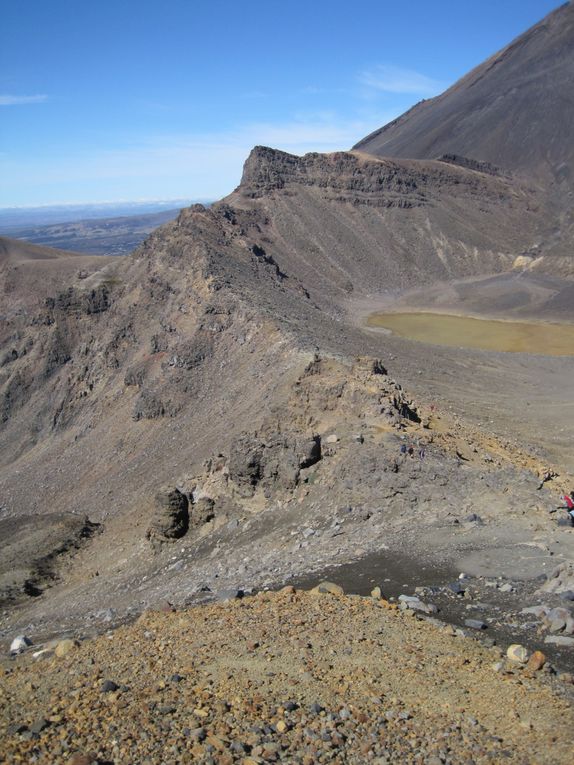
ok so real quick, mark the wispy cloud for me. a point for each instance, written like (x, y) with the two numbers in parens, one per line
(187, 165)
(7, 100)
(394, 79)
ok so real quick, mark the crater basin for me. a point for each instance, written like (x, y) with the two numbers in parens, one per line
(545, 338)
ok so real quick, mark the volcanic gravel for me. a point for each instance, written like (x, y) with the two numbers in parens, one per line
(293, 676)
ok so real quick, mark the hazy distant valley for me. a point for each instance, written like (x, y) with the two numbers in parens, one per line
(105, 230)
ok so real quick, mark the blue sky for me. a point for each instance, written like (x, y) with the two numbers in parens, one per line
(128, 100)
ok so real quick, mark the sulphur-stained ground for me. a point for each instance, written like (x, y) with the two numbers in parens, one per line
(293, 676)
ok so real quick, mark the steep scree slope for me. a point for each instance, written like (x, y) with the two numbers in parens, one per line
(514, 110)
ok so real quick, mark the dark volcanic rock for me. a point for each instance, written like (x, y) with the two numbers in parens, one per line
(171, 516)
(272, 462)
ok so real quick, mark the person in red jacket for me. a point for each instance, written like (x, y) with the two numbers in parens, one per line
(569, 500)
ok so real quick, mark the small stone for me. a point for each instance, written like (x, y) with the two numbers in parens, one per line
(457, 587)
(506, 588)
(39, 725)
(475, 624)
(536, 661)
(517, 653)
(64, 647)
(557, 625)
(566, 642)
(20, 644)
(199, 734)
(230, 595)
(316, 708)
(328, 587)
(14, 728)
(282, 726)
(332, 439)
(376, 593)
(108, 686)
(538, 611)
(44, 653)
(82, 759)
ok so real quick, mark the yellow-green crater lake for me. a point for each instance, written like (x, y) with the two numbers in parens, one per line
(486, 334)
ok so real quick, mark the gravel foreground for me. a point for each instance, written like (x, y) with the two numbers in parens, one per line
(293, 676)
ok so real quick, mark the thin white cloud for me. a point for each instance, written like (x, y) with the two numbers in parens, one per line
(7, 100)
(191, 165)
(394, 79)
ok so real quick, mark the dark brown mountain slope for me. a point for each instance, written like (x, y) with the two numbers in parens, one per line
(192, 363)
(516, 110)
(31, 273)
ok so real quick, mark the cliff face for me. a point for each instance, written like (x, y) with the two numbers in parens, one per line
(363, 179)
(352, 222)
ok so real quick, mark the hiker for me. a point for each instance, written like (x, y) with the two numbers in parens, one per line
(569, 507)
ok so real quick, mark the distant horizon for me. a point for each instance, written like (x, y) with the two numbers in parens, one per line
(133, 101)
(103, 203)
(14, 219)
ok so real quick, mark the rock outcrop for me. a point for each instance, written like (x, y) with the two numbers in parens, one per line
(170, 519)
(272, 462)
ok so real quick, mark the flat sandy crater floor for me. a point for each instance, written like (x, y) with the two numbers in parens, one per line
(498, 350)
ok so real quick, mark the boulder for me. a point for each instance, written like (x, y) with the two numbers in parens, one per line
(246, 462)
(170, 519)
(273, 461)
(560, 580)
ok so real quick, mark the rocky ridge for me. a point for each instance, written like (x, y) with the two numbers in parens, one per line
(226, 360)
